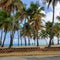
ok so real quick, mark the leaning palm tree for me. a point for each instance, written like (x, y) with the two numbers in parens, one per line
(53, 4)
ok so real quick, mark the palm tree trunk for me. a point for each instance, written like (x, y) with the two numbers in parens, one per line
(50, 42)
(37, 39)
(4, 39)
(34, 38)
(52, 25)
(34, 42)
(12, 33)
(25, 41)
(21, 40)
(18, 37)
(24, 36)
(58, 40)
(28, 41)
(11, 39)
(37, 42)
(1, 38)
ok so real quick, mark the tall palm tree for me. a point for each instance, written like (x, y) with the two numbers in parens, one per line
(2, 16)
(17, 28)
(26, 32)
(5, 22)
(10, 6)
(35, 18)
(6, 25)
(22, 17)
(53, 4)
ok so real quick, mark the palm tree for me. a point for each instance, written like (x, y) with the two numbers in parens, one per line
(26, 32)
(57, 31)
(35, 18)
(48, 30)
(2, 16)
(4, 22)
(17, 28)
(6, 25)
(10, 6)
(22, 34)
(53, 4)
(43, 35)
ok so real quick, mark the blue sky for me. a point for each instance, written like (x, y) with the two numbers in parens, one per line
(40, 2)
(28, 2)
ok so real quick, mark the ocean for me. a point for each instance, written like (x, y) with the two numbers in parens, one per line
(24, 44)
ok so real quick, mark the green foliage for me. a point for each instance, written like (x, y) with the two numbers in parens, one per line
(58, 17)
(43, 34)
(3, 14)
(57, 29)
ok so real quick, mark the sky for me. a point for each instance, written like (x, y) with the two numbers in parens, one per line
(47, 11)
(49, 14)
(28, 2)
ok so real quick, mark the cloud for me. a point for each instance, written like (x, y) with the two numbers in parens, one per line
(49, 15)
